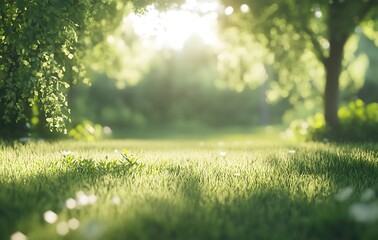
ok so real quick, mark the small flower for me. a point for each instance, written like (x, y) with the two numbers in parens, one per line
(66, 153)
(222, 154)
(73, 223)
(50, 217)
(81, 198)
(107, 130)
(62, 228)
(70, 203)
(291, 151)
(18, 236)
(237, 174)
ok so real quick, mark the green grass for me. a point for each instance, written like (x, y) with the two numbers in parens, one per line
(228, 187)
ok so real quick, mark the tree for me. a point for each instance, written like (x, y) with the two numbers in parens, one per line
(41, 46)
(42, 43)
(286, 27)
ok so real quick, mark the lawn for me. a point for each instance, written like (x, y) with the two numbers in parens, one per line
(223, 187)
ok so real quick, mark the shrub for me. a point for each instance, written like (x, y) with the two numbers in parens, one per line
(89, 132)
(358, 122)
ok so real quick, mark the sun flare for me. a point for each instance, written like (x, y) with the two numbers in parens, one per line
(173, 28)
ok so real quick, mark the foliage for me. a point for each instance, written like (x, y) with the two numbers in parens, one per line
(87, 131)
(42, 43)
(242, 61)
(104, 103)
(307, 40)
(179, 89)
(122, 56)
(358, 122)
(368, 92)
(127, 163)
(129, 158)
(291, 28)
(184, 190)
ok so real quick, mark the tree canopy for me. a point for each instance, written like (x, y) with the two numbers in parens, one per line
(287, 28)
(41, 52)
(41, 46)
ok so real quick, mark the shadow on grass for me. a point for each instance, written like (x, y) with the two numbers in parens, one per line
(270, 213)
(355, 167)
(27, 199)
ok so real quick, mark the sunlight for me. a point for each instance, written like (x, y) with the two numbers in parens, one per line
(173, 28)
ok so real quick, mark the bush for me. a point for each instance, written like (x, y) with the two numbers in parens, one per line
(358, 122)
(88, 131)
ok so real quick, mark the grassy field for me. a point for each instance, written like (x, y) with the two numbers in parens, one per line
(225, 187)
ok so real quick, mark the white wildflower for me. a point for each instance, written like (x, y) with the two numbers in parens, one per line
(66, 153)
(50, 217)
(73, 223)
(70, 203)
(222, 154)
(62, 228)
(18, 236)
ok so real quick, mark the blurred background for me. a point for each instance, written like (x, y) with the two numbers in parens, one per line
(179, 70)
(201, 66)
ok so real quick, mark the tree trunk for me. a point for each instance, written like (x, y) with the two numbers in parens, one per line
(333, 70)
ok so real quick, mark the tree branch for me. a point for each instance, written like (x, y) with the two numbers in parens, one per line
(365, 10)
(317, 47)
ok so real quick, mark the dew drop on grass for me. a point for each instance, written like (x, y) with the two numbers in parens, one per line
(18, 236)
(62, 228)
(73, 223)
(50, 217)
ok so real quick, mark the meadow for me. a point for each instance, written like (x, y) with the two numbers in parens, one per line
(221, 187)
